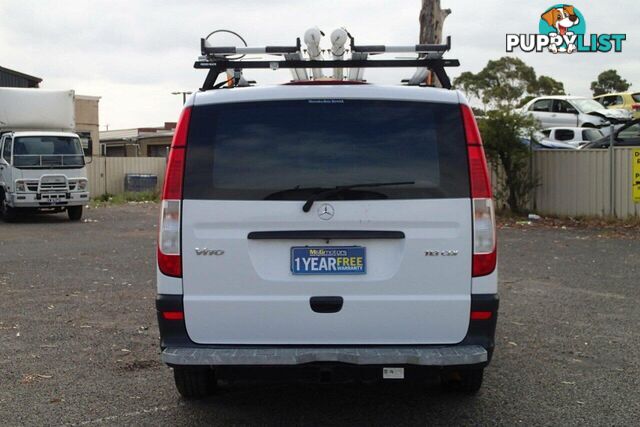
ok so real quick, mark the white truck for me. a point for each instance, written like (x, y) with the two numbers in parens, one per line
(42, 164)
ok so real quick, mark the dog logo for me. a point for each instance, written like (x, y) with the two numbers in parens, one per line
(563, 19)
(562, 29)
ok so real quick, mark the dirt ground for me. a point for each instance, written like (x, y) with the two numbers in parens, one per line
(79, 340)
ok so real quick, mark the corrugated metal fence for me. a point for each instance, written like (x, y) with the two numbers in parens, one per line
(106, 174)
(572, 182)
(579, 183)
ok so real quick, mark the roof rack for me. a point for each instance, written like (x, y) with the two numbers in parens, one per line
(215, 59)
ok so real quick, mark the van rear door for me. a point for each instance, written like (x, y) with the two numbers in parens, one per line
(393, 252)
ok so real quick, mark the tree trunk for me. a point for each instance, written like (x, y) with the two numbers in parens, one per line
(431, 22)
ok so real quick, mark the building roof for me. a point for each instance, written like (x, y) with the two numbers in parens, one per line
(88, 97)
(35, 81)
(134, 134)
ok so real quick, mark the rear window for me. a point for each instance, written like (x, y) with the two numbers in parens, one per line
(636, 97)
(289, 150)
(564, 134)
(591, 134)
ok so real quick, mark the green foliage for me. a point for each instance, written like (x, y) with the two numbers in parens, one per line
(505, 82)
(501, 132)
(525, 100)
(545, 85)
(119, 199)
(503, 85)
(609, 81)
(103, 197)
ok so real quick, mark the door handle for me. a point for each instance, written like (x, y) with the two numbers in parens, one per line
(326, 304)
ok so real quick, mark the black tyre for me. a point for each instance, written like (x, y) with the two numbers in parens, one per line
(468, 381)
(74, 212)
(9, 214)
(194, 383)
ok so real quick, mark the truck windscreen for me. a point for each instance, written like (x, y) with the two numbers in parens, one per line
(47, 152)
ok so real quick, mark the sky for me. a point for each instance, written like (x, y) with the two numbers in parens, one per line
(134, 53)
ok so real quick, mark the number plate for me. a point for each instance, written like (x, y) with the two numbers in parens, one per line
(328, 260)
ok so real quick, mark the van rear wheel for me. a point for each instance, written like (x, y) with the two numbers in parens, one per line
(194, 383)
(74, 212)
(468, 381)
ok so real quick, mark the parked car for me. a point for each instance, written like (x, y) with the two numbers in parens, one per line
(541, 144)
(326, 230)
(574, 136)
(625, 101)
(553, 111)
(627, 136)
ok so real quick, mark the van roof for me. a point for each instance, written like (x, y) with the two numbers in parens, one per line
(342, 91)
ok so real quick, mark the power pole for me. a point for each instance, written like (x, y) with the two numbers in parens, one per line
(184, 95)
(431, 19)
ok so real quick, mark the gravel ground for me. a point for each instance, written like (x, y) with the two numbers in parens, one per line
(79, 341)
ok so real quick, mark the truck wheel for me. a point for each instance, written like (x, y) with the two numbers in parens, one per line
(468, 381)
(194, 383)
(74, 212)
(9, 214)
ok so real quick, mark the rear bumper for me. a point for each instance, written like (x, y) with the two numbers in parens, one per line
(44, 200)
(476, 349)
(272, 356)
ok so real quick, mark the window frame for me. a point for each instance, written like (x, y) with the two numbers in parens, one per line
(561, 131)
(549, 108)
(198, 184)
(7, 140)
(559, 102)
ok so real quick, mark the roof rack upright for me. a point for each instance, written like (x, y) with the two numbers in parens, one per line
(216, 60)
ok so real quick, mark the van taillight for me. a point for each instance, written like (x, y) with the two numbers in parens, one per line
(636, 107)
(484, 222)
(169, 250)
(175, 165)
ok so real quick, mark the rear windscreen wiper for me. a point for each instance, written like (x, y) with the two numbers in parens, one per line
(284, 194)
(340, 188)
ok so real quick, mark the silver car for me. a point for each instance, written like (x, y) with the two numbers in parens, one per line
(554, 111)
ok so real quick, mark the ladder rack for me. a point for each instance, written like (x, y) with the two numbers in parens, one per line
(214, 58)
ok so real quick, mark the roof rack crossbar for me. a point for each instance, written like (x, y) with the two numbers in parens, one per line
(329, 63)
(205, 49)
(218, 66)
(418, 48)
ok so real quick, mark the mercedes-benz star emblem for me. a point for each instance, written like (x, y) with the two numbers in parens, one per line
(325, 211)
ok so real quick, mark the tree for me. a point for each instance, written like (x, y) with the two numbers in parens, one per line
(502, 131)
(609, 81)
(545, 85)
(502, 85)
(431, 20)
(505, 82)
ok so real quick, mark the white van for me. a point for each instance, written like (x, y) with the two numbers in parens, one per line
(327, 231)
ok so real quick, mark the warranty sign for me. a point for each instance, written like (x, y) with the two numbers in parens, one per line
(635, 171)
